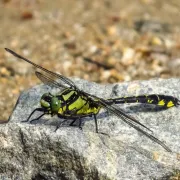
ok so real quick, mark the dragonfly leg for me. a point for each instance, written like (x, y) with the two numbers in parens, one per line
(59, 125)
(37, 109)
(37, 118)
(72, 123)
(80, 123)
(74, 120)
(97, 131)
(95, 119)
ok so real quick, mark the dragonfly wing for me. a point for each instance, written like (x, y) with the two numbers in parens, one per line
(114, 109)
(55, 75)
(49, 80)
(133, 123)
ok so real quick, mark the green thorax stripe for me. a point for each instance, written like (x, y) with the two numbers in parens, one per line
(68, 97)
(75, 104)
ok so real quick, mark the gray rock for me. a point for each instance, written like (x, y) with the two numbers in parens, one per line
(36, 151)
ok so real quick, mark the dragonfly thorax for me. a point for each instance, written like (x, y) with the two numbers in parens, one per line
(50, 102)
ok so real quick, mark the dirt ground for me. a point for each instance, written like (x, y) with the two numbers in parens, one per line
(105, 41)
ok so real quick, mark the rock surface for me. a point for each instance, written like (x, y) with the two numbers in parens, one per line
(36, 151)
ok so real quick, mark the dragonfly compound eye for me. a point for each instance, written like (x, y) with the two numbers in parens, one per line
(55, 104)
(45, 100)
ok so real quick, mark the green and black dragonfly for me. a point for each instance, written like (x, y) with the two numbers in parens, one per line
(73, 103)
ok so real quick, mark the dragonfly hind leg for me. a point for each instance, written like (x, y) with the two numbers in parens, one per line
(95, 120)
(75, 118)
(71, 124)
(80, 123)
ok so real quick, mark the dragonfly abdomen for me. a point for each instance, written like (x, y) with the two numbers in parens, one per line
(160, 100)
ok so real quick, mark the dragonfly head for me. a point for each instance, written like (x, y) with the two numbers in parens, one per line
(50, 102)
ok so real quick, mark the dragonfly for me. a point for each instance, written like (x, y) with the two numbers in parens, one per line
(75, 104)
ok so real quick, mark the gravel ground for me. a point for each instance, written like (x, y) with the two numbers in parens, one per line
(103, 41)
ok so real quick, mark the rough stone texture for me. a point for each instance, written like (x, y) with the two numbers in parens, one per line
(36, 151)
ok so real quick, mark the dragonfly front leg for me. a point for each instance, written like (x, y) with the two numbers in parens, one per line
(37, 118)
(37, 109)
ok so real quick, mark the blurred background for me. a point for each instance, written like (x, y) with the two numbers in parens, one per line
(105, 41)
